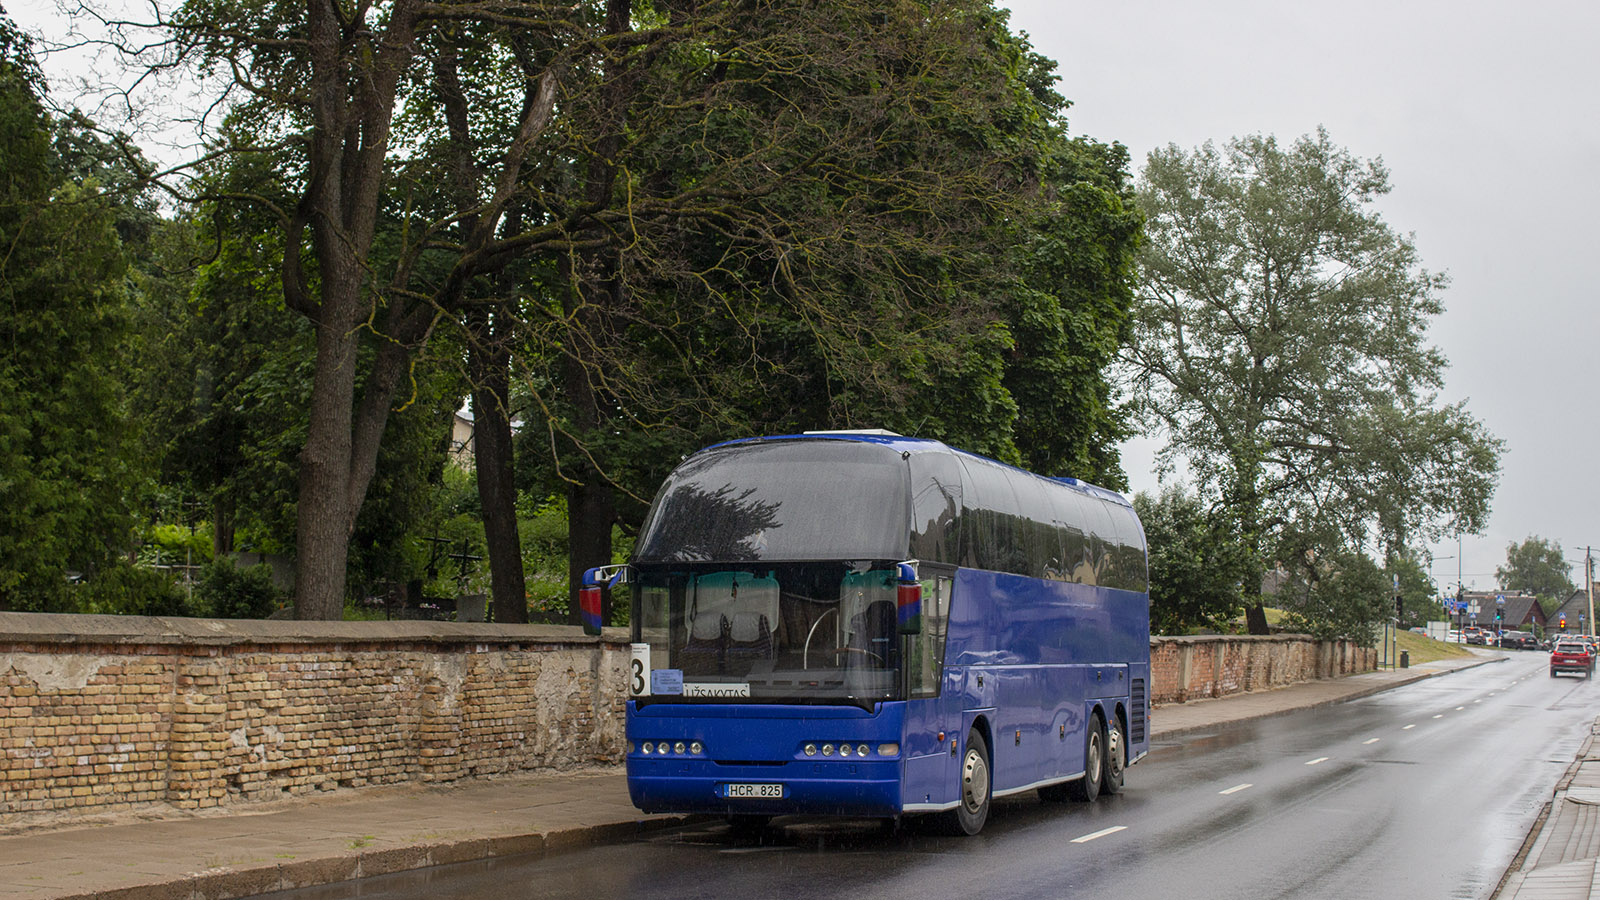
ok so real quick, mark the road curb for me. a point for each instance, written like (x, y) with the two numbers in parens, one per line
(229, 882)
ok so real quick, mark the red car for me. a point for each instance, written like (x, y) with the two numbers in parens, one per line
(1571, 656)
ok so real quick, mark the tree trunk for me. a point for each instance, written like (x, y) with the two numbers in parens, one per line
(323, 514)
(222, 522)
(1255, 619)
(489, 363)
(591, 511)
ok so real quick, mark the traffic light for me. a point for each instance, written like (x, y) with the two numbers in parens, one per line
(1499, 614)
(1399, 606)
(1563, 621)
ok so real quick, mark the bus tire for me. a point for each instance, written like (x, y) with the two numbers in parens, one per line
(1085, 789)
(1116, 757)
(975, 789)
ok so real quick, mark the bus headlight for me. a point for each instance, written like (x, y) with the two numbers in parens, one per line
(827, 749)
(678, 747)
(645, 748)
(861, 750)
(696, 748)
(888, 749)
(811, 749)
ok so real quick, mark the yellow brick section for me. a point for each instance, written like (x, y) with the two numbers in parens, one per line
(101, 728)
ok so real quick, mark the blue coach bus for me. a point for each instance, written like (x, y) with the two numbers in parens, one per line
(864, 624)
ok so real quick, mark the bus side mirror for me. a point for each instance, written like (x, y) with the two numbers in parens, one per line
(908, 601)
(591, 593)
(589, 602)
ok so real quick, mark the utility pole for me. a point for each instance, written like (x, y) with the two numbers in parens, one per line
(1588, 581)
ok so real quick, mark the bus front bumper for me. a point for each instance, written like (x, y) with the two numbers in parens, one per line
(836, 788)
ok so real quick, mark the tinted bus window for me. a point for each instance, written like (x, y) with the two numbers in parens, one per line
(935, 507)
(784, 500)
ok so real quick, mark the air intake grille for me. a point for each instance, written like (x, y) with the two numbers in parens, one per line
(1136, 715)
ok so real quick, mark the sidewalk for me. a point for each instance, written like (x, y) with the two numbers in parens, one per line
(1562, 861)
(373, 831)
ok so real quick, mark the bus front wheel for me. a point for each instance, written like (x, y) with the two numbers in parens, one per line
(1087, 788)
(972, 810)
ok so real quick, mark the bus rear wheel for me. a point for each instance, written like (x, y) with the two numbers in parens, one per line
(1116, 757)
(972, 808)
(1085, 789)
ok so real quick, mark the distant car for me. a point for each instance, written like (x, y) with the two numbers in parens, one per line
(1475, 636)
(1519, 640)
(1452, 636)
(1571, 656)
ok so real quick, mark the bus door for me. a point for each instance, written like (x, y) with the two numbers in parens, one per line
(934, 699)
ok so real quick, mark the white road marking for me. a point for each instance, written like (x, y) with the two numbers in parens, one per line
(1099, 834)
(1479, 700)
(1460, 708)
(1320, 759)
(1408, 727)
(1439, 716)
(1236, 789)
(1373, 741)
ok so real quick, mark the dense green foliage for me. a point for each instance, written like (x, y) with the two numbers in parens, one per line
(227, 591)
(69, 468)
(1196, 564)
(1345, 596)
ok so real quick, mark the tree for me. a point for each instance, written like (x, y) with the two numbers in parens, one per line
(833, 177)
(1196, 563)
(1343, 596)
(1280, 346)
(69, 472)
(1537, 566)
(963, 274)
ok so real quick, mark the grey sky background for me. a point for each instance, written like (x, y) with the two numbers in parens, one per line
(1488, 118)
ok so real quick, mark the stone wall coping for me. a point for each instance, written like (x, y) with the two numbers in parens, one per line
(73, 629)
(1229, 638)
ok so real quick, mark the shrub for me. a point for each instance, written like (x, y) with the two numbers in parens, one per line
(126, 590)
(230, 592)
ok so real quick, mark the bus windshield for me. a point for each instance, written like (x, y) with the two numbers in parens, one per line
(795, 632)
(784, 500)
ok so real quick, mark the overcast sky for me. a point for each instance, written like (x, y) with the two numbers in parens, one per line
(1488, 118)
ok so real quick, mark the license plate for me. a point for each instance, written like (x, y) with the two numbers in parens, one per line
(753, 790)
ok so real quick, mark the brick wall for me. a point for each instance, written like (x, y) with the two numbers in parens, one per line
(106, 713)
(1190, 668)
(99, 713)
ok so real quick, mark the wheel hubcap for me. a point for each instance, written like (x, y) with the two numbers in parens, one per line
(974, 781)
(1092, 771)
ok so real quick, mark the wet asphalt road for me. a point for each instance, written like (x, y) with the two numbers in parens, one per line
(1426, 791)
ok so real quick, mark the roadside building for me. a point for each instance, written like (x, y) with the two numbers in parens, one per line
(1517, 611)
(1572, 616)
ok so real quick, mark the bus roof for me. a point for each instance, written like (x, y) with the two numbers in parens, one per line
(924, 445)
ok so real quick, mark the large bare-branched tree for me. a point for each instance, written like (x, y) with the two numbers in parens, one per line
(664, 220)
